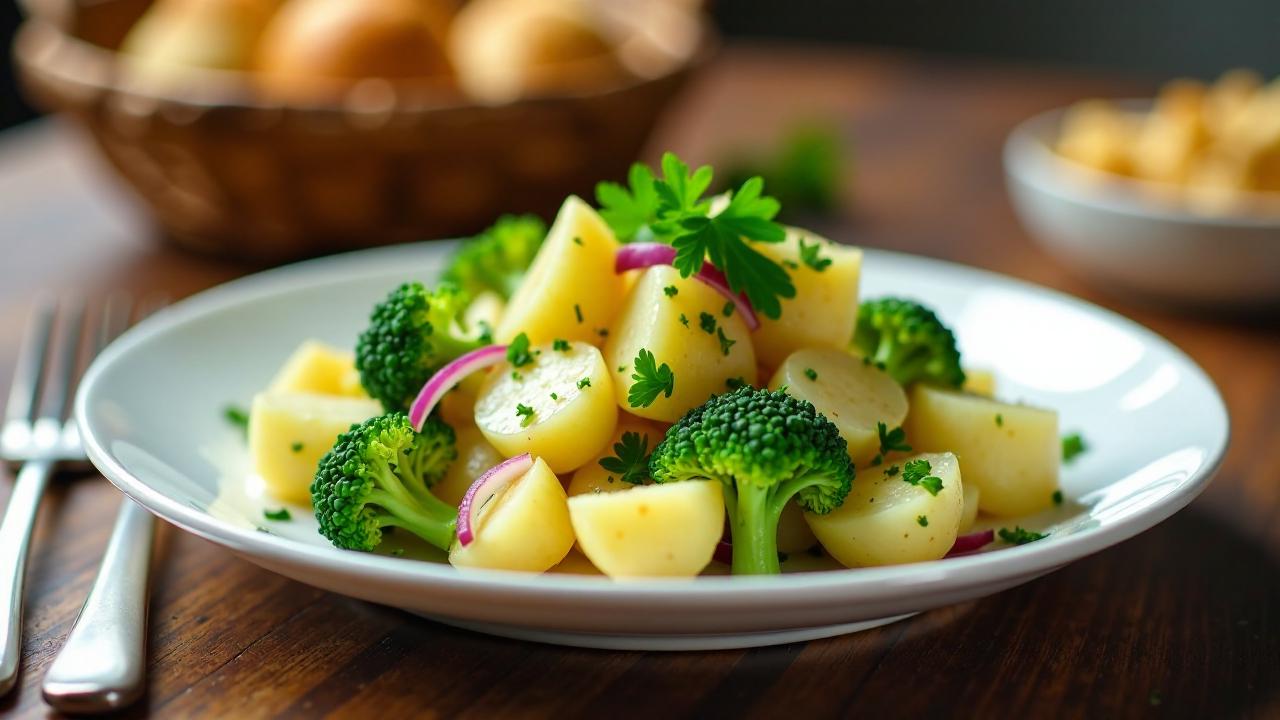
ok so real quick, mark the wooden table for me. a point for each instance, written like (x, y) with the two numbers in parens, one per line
(1183, 620)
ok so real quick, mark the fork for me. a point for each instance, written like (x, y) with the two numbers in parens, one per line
(40, 435)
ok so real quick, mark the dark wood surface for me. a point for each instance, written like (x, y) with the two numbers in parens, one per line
(1181, 621)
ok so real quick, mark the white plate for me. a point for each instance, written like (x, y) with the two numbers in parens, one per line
(151, 410)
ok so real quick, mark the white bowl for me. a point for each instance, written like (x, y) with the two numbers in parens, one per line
(1117, 234)
(151, 412)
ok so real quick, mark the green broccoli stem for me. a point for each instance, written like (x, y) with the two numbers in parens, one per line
(437, 528)
(753, 528)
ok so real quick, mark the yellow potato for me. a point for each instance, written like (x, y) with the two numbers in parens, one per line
(972, 497)
(666, 530)
(887, 521)
(485, 310)
(593, 478)
(571, 290)
(849, 392)
(794, 535)
(980, 382)
(524, 527)
(475, 455)
(651, 319)
(575, 563)
(558, 407)
(289, 432)
(825, 308)
(318, 368)
(1010, 452)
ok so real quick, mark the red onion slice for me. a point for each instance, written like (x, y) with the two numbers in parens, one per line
(966, 544)
(494, 479)
(448, 377)
(642, 255)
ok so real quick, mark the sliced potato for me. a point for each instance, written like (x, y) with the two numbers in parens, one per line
(319, 368)
(571, 290)
(849, 392)
(972, 496)
(524, 527)
(1010, 452)
(593, 478)
(825, 308)
(980, 382)
(290, 432)
(887, 521)
(794, 535)
(666, 530)
(689, 332)
(475, 456)
(559, 407)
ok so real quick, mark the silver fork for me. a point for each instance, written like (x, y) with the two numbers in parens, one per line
(39, 434)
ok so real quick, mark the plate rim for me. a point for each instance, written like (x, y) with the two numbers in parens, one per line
(869, 583)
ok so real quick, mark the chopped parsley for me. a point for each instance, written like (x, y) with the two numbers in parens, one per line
(650, 379)
(622, 368)
(684, 320)
(281, 515)
(560, 345)
(577, 240)
(707, 322)
(875, 461)
(526, 413)
(892, 440)
(237, 416)
(734, 383)
(296, 447)
(728, 309)
(584, 383)
(917, 472)
(554, 396)
(630, 459)
(809, 256)
(725, 343)
(922, 520)
(671, 290)
(999, 420)
(602, 332)
(1072, 446)
(811, 374)
(515, 375)
(1018, 536)
(518, 351)
(1057, 497)
(891, 470)
(577, 311)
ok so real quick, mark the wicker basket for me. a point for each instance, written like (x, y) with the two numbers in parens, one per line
(226, 174)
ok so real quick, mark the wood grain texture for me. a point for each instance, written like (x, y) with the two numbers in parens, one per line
(1182, 621)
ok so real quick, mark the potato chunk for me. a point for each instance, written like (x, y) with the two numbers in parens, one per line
(593, 478)
(825, 308)
(475, 456)
(972, 497)
(980, 382)
(558, 407)
(1010, 452)
(849, 392)
(794, 535)
(888, 521)
(571, 290)
(683, 323)
(525, 527)
(652, 530)
(289, 432)
(319, 368)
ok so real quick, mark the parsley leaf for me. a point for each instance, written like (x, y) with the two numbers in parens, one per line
(279, 515)
(525, 412)
(560, 345)
(671, 290)
(728, 309)
(1018, 536)
(650, 379)
(625, 210)
(1057, 497)
(811, 374)
(684, 320)
(518, 351)
(707, 322)
(631, 458)
(917, 472)
(922, 520)
(725, 343)
(1072, 445)
(809, 255)
(892, 440)
(584, 383)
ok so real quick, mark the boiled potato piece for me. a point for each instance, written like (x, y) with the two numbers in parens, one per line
(980, 382)
(525, 527)
(173, 36)
(319, 368)
(794, 535)
(558, 407)
(689, 332)
(593, 478)
(289, 432)
(1010, 452)
(972, 497)
(571, 290)
(666, 530)
(475, 456)
(888, 521)
(825, 308)
(485, 310)
(849, 392)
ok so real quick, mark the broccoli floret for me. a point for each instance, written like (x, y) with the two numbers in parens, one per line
(765, 447)
(411, 334)
(496, 259)
(909, 341)
(377, 475)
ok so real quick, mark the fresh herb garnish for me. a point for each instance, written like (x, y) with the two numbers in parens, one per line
(728, 309)
(811, 374)
(577, 240)
(922, 520)
(999, 420)
(650, 379)
(684, 320)
(891, 470)
(602, 332)
(584, 383)
(917, 472)
(892, 440)
(560, 345)
(625, 210)
(725, 343)
(518, 351)
(1018, 536)
(1057, 497)
(526, 413)
(809, 255)
(631, 458)
(237, 416)
(296, 447)
(280, 515)
(707, 322)
(577, 311)
(671, 290)
(1072, 446)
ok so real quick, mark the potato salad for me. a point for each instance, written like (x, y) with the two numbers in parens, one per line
(666, 383)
